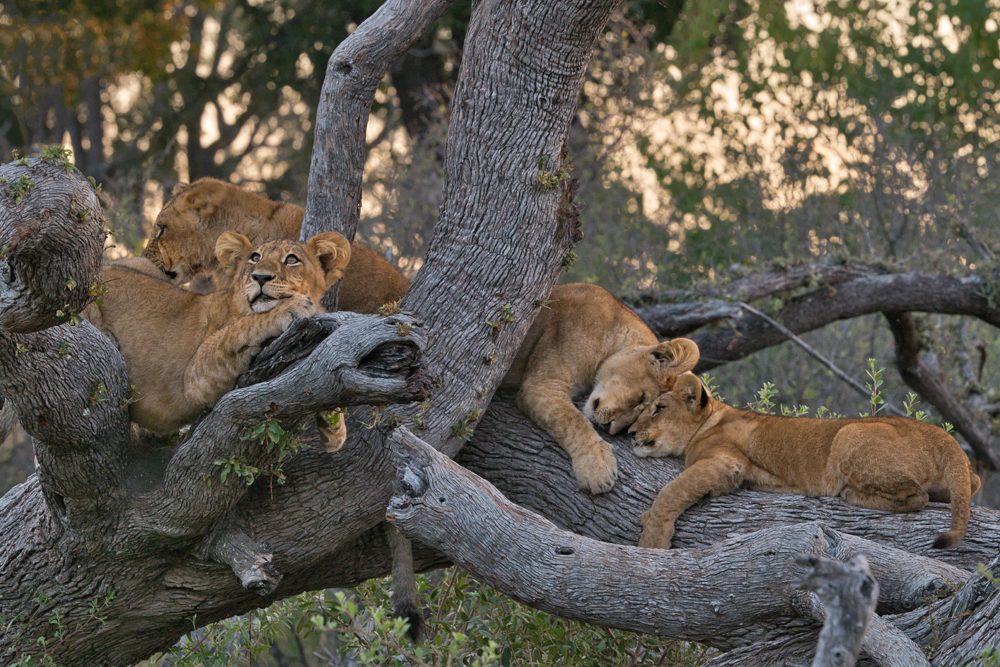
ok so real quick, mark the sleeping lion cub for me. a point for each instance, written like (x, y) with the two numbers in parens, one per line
(184, 350)
(887, 463)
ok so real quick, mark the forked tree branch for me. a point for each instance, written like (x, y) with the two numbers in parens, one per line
(357, 65)
(682, 593)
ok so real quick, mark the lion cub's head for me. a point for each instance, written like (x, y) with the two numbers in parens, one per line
(668, 424)
(632, 376)
(261, 277)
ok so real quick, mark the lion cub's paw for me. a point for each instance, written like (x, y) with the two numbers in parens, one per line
(596, 468)
(332, 429)
(655, 535)
(299, 307)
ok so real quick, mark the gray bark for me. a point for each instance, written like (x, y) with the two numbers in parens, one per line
(849, 593)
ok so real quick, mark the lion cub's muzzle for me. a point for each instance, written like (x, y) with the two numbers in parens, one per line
(262, 294)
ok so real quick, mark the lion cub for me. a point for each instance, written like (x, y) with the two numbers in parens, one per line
(586, 339)
(184, 350)
(887, 463)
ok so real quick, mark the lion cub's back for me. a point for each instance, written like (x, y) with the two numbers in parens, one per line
(582, 324)
(156, 325)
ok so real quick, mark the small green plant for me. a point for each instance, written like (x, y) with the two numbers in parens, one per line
(823, 412)
(504, 316)
(464, 428)
(98, 607)
(549, 179)
(764, 402)
(64, 350)
(278, 440)
(876, 401)
(21, 187)
(910, 404)
(59, 155)
(237, 468)
(403, 328)
(793, 410)
(389, 308)
(713, 386)
(569, 259)
(99, 393)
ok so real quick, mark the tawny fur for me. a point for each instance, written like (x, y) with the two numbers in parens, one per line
(184, 350)
(185, 231)
(583, 340)
(887, 463)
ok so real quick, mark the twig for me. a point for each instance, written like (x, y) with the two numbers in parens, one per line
(811, 351)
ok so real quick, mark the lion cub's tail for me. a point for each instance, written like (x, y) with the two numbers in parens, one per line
(962, 484)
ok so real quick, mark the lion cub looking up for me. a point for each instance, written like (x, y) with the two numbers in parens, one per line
(184, 350)
(887, 463)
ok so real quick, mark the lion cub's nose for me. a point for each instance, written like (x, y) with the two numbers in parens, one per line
(262, 277)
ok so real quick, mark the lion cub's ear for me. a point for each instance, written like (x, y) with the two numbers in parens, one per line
(231, 248)
(673, 357)
(333, 252)
(692, 391)
(179, 188)
(205, 196)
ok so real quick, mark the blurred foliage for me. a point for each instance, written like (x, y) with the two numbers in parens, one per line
(468, 624)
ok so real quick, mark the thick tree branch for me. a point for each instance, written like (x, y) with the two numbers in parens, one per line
(682, 593)
(357, 65)
(833, 293)
(349, 367)
(67, 383)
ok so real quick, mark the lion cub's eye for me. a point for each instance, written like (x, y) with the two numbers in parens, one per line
(159, 231)
(656, 409)
(254, 258)
(292, 260)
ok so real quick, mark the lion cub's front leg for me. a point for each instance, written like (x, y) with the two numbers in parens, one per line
(224, 355)
(714, 476)
(548, 404)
